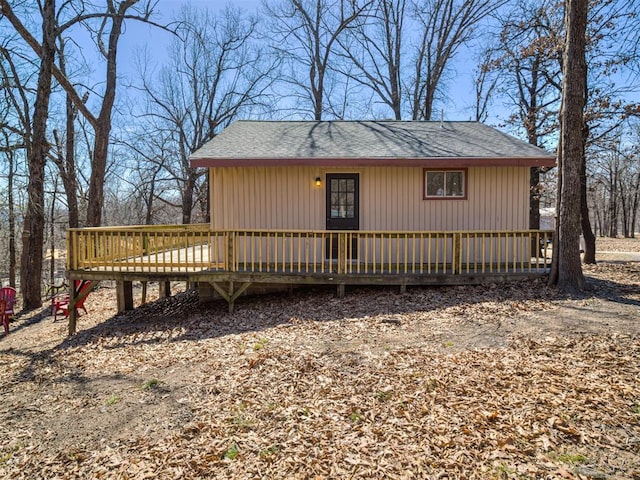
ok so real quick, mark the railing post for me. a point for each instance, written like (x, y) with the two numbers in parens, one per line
(71, 264)
(342, 253)
(456, 254)
(231, 240)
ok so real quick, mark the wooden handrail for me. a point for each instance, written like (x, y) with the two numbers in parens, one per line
(193, 248)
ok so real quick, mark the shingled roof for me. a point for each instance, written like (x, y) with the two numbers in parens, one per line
(360, 143)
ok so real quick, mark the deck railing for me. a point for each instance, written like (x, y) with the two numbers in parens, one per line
(195, 248)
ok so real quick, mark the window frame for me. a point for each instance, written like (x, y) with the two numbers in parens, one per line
(465, 177)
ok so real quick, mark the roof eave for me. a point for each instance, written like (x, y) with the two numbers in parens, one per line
(431, 162)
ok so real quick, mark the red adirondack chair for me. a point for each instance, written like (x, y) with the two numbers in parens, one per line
(60, 302)
(8, 297)
(3, 305)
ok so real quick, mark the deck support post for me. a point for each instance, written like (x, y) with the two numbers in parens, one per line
(340, 292)
(403, 288)
(230, 295)
(165, 289)
(231, 300)
(73, 314)
(124, 294)
(144, 293)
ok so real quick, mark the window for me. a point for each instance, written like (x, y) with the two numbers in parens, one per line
(445, 184)
(343, 199)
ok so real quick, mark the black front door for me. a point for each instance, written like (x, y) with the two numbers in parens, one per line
(343, 207)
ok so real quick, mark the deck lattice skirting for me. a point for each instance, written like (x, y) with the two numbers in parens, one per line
(232, 260)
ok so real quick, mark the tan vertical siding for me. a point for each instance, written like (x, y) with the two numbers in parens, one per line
(390, 199)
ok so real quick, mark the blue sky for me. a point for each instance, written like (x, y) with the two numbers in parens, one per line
(138, 35)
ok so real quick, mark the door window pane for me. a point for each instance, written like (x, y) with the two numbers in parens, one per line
(350, 199)
(343, 199)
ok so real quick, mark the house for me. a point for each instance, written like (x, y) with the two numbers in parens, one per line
(369, 176)
(357, 175)
(341, 203)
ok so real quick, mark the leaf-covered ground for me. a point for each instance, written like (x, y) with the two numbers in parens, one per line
(503, 381)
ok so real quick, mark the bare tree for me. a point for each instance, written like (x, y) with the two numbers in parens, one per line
(445, 26)
(10, 156)
(305, 35)
(611, 27)
(605, 175)
(530, 66)
(629, 188)
(54, 24)
(37, 149)
(615, 182)
(484, 85)
(528, 60)
(567, 269)
(110, 24)
(374, 52)
(63, 153)
(154, 193)
(632, 160)
(102, 122)
(216, 72)
(15, 128)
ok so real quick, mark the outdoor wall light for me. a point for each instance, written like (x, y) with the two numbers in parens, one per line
(318, 182)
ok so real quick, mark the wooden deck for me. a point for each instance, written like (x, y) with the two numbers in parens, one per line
(230, 261)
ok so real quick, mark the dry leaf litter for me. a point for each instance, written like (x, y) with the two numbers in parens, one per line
(510, 381)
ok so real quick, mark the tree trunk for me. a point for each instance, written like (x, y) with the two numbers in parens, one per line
(148, 203)
(317, 87)
(429, 98)
(534, 199)
(103, 125)
(587, 232)
(553, 274)
(598, 215)
(187, 197)
(98, 173)
(613, 202)
(569, 268)
(52, 235)
(635, 205)
(613, 215)
(67, 165)
(624, 200)
(534, 205)
(12, 224)
(71, 183)
(33, 232)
